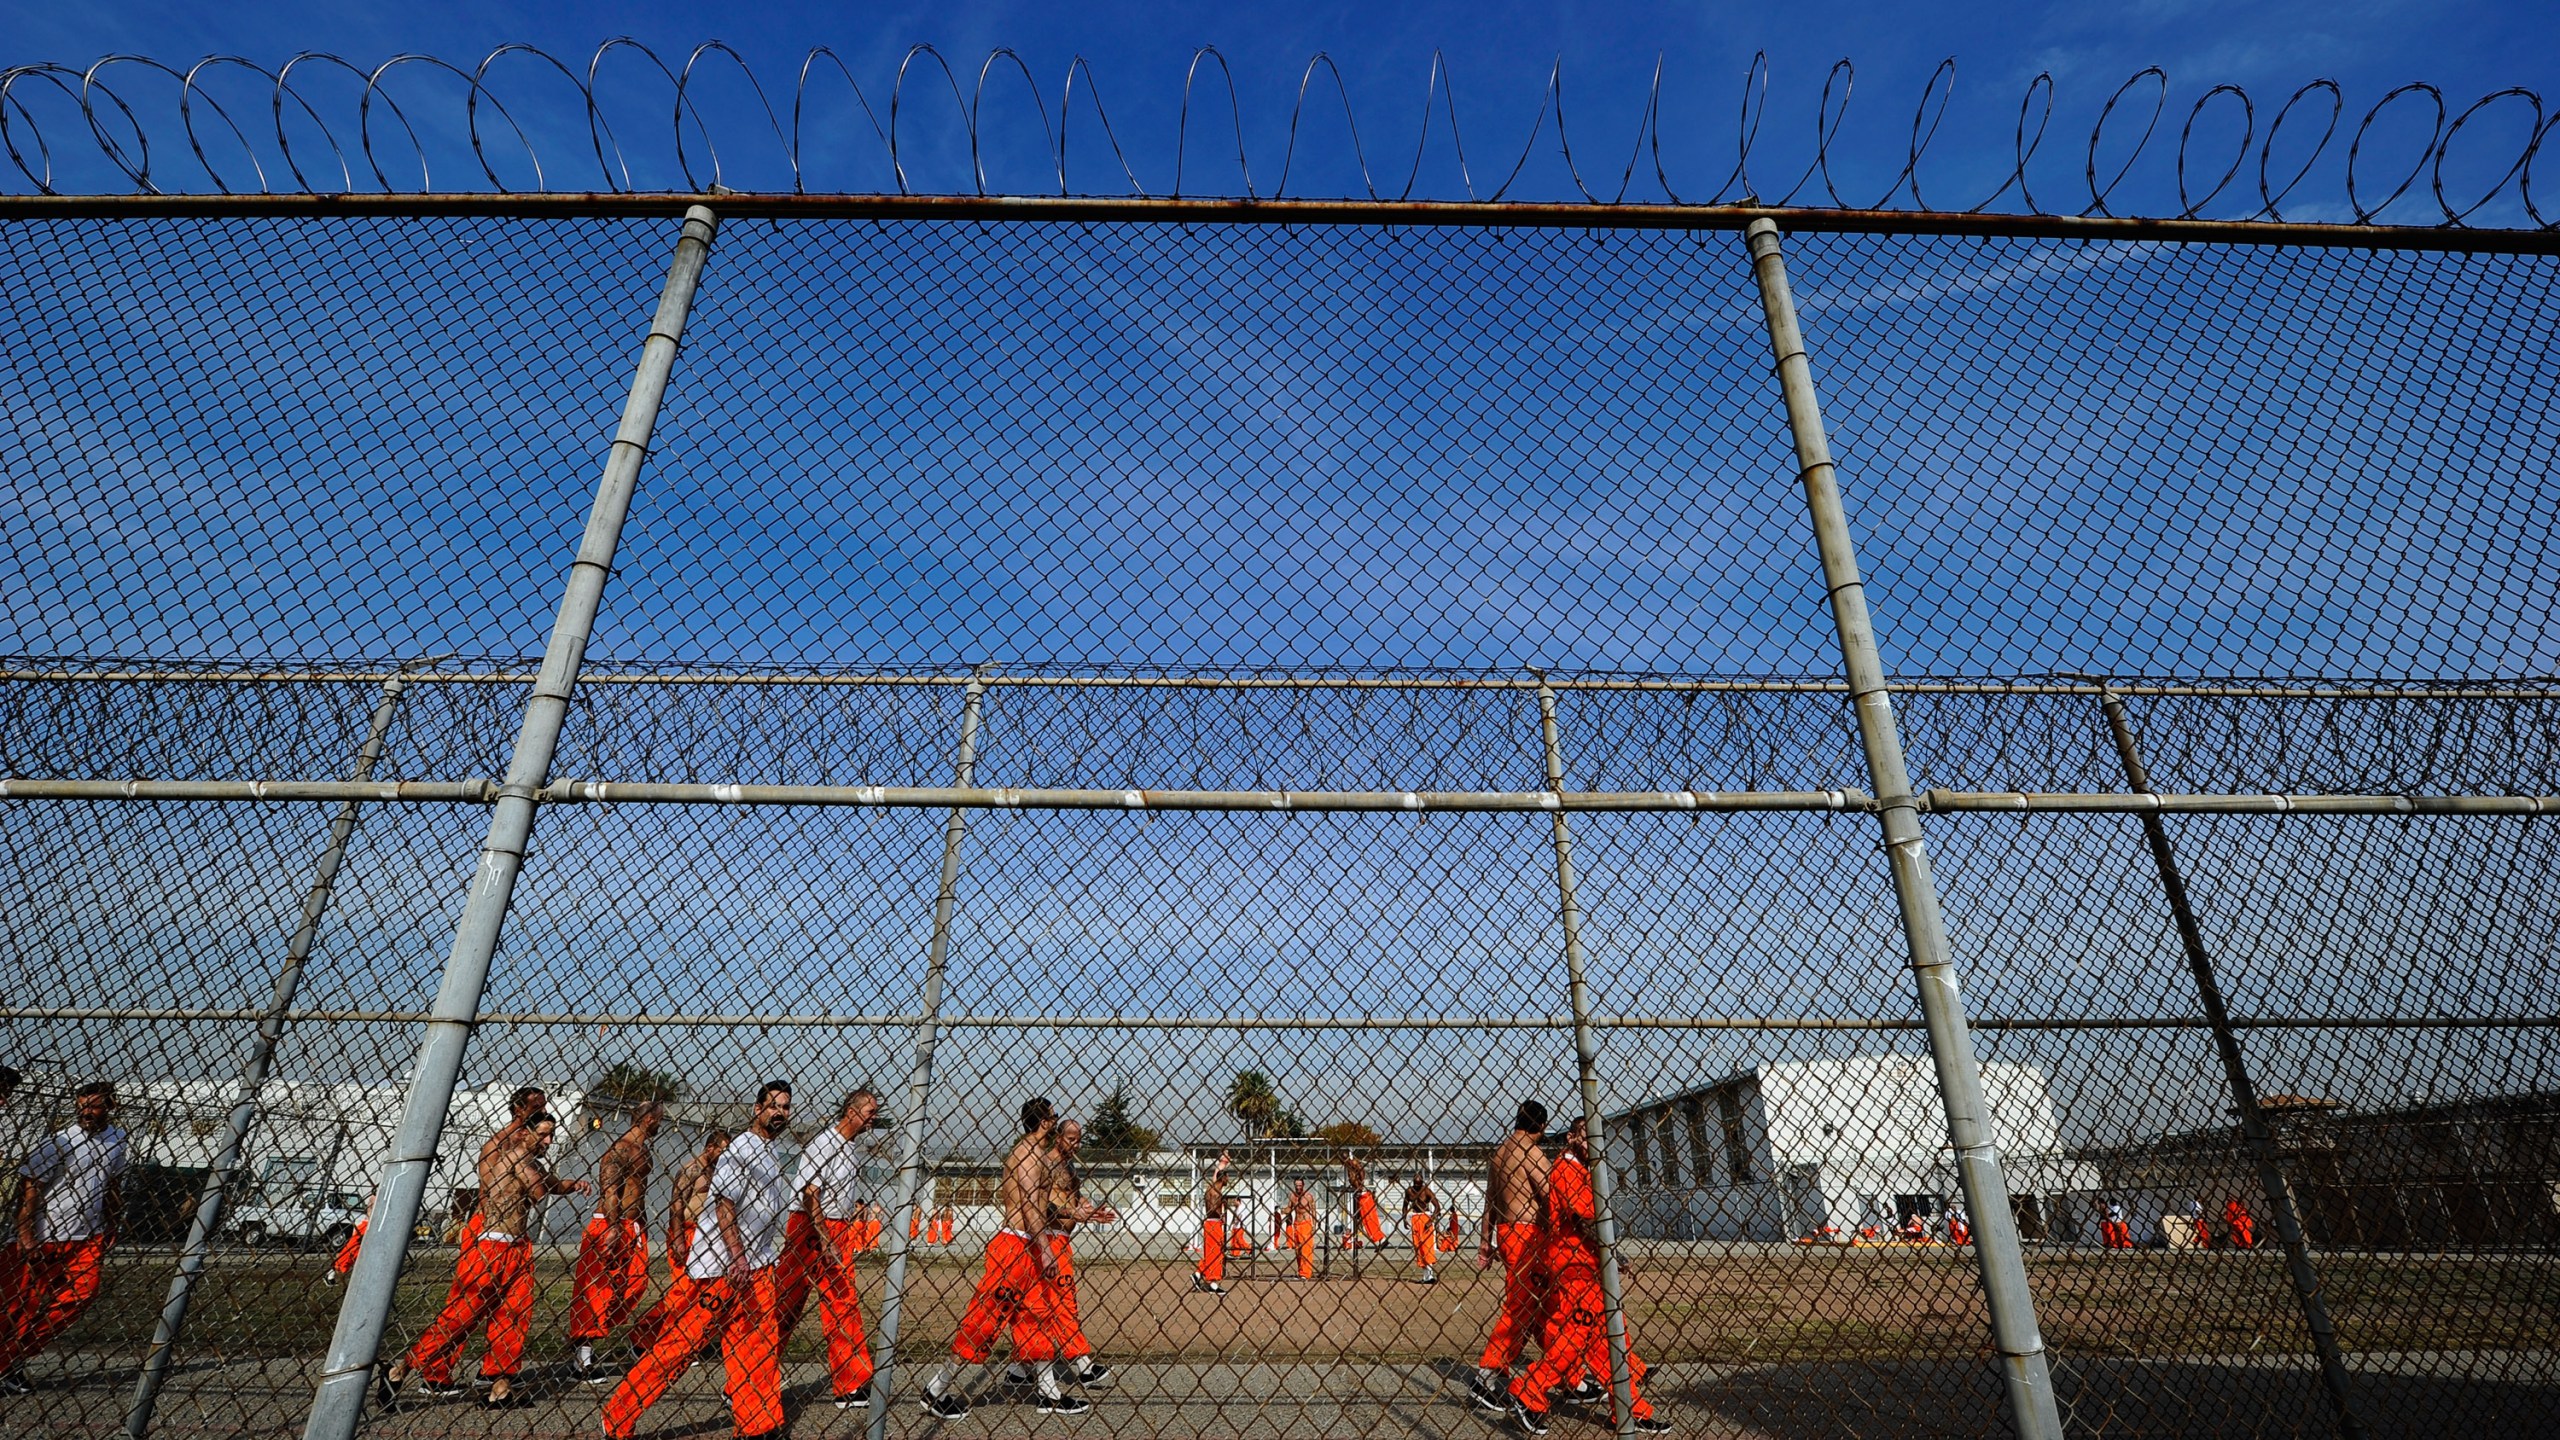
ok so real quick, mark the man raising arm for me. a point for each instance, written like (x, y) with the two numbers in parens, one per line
(1213, 1231)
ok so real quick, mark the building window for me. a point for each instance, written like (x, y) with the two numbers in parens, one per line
(1702, 1154)
(1644, 1152)
(965, 1191)
(1737, 1148)
(1669, 1136)
(1173, 1192)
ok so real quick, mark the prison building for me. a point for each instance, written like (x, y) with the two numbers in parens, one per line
(2480, 1173)
(1804, 1148)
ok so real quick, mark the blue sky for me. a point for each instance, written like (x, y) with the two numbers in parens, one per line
(1102, 448)
(1498, 54)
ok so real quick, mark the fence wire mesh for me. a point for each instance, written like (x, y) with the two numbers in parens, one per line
(1200, 531)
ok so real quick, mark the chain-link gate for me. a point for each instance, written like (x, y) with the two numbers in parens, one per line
(1285, 694)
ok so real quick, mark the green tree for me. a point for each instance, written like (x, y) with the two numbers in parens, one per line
(624, 1085)
(1253, 1102)
(1348, 1135)
(1285, 1125)
(1114, 1127)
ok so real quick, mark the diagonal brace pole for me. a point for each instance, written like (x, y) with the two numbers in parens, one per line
(356, 1341)
(2033, 1407)
(911, 1133)
(254, 1068)
(1586, 1057)
(2255, 1136)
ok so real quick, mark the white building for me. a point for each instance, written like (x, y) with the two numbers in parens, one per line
(1781, 1151)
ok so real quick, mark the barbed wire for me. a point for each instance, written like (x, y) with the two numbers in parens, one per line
(124, 136)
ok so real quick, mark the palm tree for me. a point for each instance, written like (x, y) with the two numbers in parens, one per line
(1253, 1102)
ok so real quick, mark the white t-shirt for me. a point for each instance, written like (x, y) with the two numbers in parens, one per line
(76, 1168)
(834, 1165)
(749, 1177)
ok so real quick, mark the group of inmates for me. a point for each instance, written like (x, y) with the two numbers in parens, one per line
(747, 1247)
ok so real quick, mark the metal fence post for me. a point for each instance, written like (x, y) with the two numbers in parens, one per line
(254, 1066)
(1586, 1061)
(910, 1176)
(338, 1402)
(2255, 1135)
(2032, 1404)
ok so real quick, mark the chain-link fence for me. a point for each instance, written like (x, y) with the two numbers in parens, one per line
(1286, 694)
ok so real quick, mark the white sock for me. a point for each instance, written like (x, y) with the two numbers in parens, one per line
(586, 1355)
(941, 1381)
(1017, 1371)
(1050, 1389)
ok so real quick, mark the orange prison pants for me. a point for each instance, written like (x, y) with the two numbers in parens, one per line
(1370, 1225)
(1524, 1295)
(1240, 1240)
(43, 1290)
(795, 1274)
(1426, 1247)
(678, 1294)
(346, 1260)
(840, 1309)
(1066, 1324)
(1302, 1238)
(950, 1229)
(737, 1308)
(611, 1275)
(1012, 1291)
(1579, 1338)
(870, 1234)
(1213, 1250)
(2115, 1235)
(2244, 1233)
(492, 1284)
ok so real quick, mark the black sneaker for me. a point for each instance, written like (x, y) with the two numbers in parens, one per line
(1589, 1392)
(1652, 1425)
(1017, 1379)
(948, 1407)
(1063, 1405)
(1487, 1397)
(16, 1383)
(594, 1372)
(441, 1390)
(858, 1397)
(386, 1391)
(1526, 1420)
(1092, 1375)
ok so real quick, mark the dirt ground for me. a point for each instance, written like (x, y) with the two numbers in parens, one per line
(1771, 1340)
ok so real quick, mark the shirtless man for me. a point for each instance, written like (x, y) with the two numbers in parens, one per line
(1017, 1285)
(1366, 1227)
(1577, 1342)
(1302, 1227)
(613, 1255)
(493, 1279)
(1213, 1231)
(527, 1102)
(1515, 1207)
(1422, 1217)
(1067, 1209)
